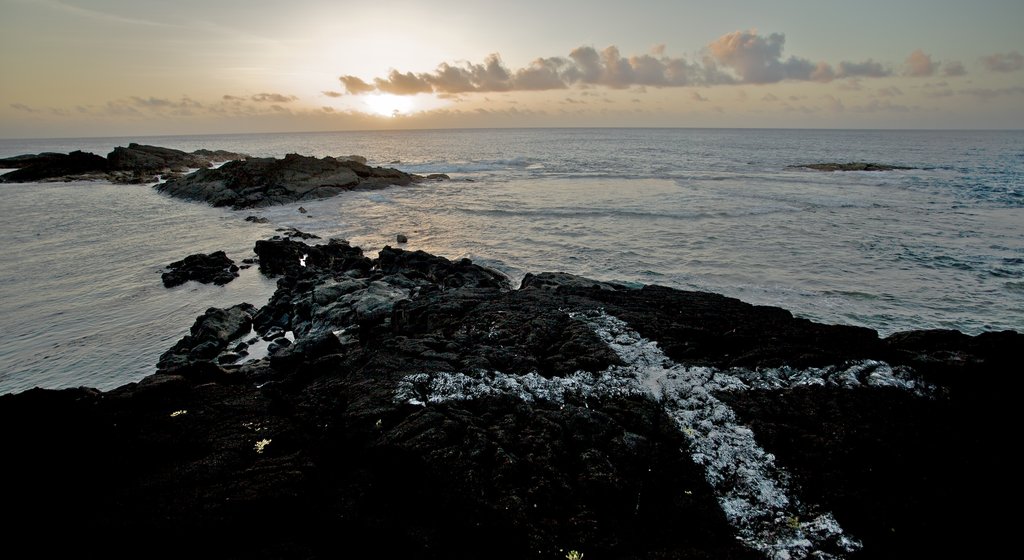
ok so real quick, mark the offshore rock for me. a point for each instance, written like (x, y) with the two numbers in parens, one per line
(53, 166)
(428, 410)
(259, 182)
(136, 163)
(852, 166)
(214, 268)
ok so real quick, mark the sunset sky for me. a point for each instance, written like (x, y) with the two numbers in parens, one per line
(146, 67)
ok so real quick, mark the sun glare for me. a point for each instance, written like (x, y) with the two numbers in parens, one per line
(388, 104)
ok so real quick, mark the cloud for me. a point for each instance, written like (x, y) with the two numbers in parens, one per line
(987, 94)
(884, 105)
(834, 104)
(232, 98)
(273, 98)
(758, 59)
(22, 107)
(1003, 62)
(696, 96)
(355, 85)
(740, 57)
(403, 84)
(954, 68)
(889, 92)
(920, 64)
(332, 93)
(867, 69)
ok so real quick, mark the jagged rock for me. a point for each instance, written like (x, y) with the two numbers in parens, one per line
(427, 405)
(852, 166)
(136, 163)
(215, 268)
(50, 166)
(258, 182)
(401, 238)
(257, 219)
(293, 233)
(209, 336)
(140, 158)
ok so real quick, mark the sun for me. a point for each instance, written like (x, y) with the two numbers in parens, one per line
(388, 104)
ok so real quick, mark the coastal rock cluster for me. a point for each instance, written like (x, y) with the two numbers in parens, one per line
(136, 163)
(258, 182)
(242, 182)
(214, 268)
(425, 408)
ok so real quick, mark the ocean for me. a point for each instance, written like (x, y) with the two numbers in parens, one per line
(940, 246)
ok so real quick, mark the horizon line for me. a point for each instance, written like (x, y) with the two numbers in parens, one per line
(500, 128)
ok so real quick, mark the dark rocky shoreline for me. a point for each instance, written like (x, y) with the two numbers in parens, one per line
(136, 163)
(241, 182)
(426, 409)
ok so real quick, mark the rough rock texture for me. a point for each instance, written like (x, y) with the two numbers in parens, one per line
(428, 410)
(51, 166)
(260, 182)
(852, 166)
(215, 268)
(137, 163)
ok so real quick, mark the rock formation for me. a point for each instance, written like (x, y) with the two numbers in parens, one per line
(852, 166)
(426, 409)
(258, 182)
(215, 268)
(137, 163)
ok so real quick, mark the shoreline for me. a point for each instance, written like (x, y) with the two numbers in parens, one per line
(472, 413)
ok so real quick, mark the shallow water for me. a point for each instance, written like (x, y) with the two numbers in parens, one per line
(939, 247)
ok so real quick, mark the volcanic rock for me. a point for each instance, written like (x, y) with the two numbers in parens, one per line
(52, 166)
(215, 268)
(258, 182)
(426, 409)
(137, 163)
(852, 166)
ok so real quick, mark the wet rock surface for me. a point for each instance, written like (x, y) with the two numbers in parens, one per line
(136, 163)
(424, 408)
(851, 166)
(259, 182)
(214, 268)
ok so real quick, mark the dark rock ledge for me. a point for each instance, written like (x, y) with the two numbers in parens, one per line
(852, 166)
(258, 182)
(214, 268)
(428, 410)
(137, 163)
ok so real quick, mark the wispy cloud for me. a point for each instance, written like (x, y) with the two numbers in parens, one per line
(954, 68)
(273, 98)
(1003, 62)
(987, 94)
(740, 57)
(867, 69)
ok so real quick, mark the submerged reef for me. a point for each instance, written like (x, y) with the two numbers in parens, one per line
(426, 408)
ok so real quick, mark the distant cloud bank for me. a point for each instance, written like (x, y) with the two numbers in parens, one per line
(740, 57)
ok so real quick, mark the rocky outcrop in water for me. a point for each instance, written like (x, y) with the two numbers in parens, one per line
(258, 182)
(50, 166)
(136, 163)
(426, 409)
(214, 268)
(852, 166)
